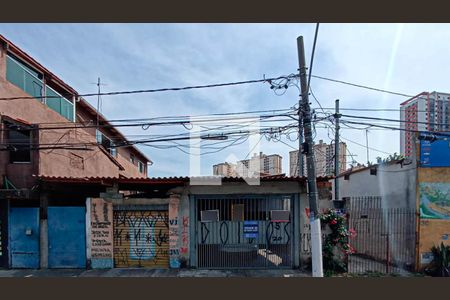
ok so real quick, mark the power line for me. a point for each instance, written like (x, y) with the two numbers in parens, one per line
(373, 109)
(374, 89)
(312, 55)
(157, 90)
(401, 129)
(356, 143)
(396, 120)
(39, 146)
(147, 124)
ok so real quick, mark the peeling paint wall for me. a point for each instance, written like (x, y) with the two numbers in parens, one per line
(101, 234)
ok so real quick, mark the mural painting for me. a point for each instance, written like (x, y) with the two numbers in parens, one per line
(434, 200)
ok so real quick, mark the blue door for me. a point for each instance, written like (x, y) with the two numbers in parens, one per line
(66, 237)
(24, 237)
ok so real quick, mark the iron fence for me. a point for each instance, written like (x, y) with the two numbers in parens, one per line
(384, 241)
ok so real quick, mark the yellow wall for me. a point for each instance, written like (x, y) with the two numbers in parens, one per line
(431, 232)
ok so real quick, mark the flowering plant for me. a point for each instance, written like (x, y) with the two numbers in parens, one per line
(338, 238)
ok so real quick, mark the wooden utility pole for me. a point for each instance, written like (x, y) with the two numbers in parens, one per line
(305, 109)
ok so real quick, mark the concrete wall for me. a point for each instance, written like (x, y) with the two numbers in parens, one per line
(394, 183)
(123, 153)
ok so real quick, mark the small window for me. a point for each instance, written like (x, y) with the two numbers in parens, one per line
(132, 158)
(347, 177)
(106, 143)
(141, 167)
(373, 171)
(20, 143)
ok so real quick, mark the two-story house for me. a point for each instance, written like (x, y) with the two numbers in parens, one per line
(47, 129)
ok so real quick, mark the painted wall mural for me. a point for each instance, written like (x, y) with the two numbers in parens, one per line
(141, 239)
(101, 234)
(434, 200)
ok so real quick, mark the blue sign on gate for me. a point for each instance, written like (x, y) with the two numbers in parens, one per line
(251, 229)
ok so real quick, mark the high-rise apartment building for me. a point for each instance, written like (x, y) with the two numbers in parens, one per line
(225, 169)
(424, 112)
(258, 165)
(323, 158)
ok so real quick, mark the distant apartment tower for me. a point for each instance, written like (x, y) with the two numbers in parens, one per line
(424, 112)
(258, 165)
(268, 165)
(323, 158)
(225, 169)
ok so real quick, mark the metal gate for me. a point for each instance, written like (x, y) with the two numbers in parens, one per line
(244, 231)
(66, 237)
(24, 237)
(141, 238)
(3, 233)
(384, 242)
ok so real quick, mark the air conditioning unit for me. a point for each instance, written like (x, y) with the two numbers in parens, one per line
(209, 215)
(280, 215)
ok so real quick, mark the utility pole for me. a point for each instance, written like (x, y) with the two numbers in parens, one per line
(98, 100)
(367, 146)
(304, 107)
(300, 163)
(336, 151)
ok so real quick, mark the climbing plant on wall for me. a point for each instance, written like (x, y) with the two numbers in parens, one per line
(336, 241)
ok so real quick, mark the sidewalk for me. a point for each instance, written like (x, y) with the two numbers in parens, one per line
(151, 273)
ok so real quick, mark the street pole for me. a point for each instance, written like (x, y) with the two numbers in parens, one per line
(367, 146)
(336, 152)
(300, 163)
(316, 236)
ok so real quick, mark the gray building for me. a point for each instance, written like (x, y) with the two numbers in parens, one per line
(323, 158)
(393, 183)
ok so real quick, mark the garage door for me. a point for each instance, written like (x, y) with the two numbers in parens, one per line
(141, 239)
(24, 237)
(66, 237)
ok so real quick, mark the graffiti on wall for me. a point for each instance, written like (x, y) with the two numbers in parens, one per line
(141, 238)
(101, 233)
(174, 251)
(185, 236)
(230, 232)
(434, 200)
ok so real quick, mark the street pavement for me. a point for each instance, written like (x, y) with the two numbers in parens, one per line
(145, 272)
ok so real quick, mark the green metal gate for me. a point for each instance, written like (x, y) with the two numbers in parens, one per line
(243, 231)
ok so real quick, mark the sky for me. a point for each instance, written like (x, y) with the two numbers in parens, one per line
(406, 58)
